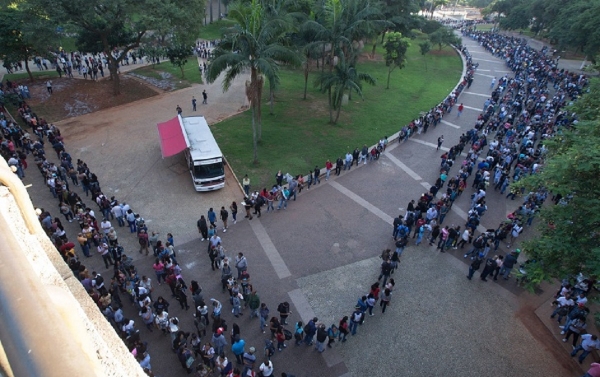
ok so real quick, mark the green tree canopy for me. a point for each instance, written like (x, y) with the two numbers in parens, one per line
(344, 77)
(395, 52)
(119, 25)
(24, 34)
(444, 36)
(252, 44)
(569, 241)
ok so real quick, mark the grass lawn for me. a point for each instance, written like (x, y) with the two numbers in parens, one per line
(485, 27)
(298, 136)
(192, 74)
(37, 75)
(213, 31)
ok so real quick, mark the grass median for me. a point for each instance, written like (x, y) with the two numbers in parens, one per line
(297, 136)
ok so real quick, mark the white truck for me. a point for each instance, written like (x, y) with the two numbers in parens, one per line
(203, 155)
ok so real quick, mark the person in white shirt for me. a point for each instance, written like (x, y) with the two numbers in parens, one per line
(563, 306)
(117, 211)
(266, 368)
(105, 225)
(589, 343)
(581, 299)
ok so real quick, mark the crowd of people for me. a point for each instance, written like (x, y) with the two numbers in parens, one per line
(505, 144)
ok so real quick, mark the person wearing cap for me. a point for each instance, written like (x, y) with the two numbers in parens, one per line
(218, 341)
(249, 361)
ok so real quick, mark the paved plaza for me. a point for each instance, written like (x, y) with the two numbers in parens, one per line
(321, 253)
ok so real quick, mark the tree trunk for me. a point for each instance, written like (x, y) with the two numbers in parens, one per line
(254, 141)
(219, 9)
(271, 98)
(374, 48)
(28, 70)
(339, 108)
(114, 76)
(382, 36)
(306, 68)
(323, 62)
(330, 108)
(210, 7)
(388, 80)
(182, 73)
(256, 82)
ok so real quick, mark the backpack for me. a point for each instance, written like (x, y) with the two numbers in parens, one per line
(287, 333)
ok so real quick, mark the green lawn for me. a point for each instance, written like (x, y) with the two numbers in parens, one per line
(37, 75)
(192, 74)
(297, 136)
(213, 31)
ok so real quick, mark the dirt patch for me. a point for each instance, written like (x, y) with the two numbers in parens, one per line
(165, 82)
(526, 314)
(73, 97)
(444, 52)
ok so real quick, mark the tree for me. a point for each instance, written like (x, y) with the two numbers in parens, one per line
(425, 47)
(444, 36)
(118, 26)
(569, 241)
(343, 77)
(24, 35)
(178, 55)
(252, 44)
(395, 53)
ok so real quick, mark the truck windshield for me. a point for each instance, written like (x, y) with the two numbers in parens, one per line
(208, 171)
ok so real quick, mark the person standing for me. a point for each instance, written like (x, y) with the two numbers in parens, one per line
(310, 330)
(204, 97)
(460, 110)
(193, 103)
(356, 319)
(439, 142)
(321, 338)
(385, 298)
(249, 360)
(338, 165)
(263, 316)
(490, 266)
(212, 218)
(328, 167)
(507, 264)
(588, 343)
(202, 228)
(49, 86)
(241, 264)
(179, 110)
(316, 174)
(246, 184)
(474, 267)
(234, 209)
(493, 83)
(224, 215)
(284, 312)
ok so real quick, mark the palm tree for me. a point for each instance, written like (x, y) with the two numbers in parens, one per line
(343, 77)
(252, 44)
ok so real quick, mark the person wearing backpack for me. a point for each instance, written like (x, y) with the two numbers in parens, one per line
(309, 331)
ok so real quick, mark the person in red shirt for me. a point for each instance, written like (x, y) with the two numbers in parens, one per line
(461, 107)
(594, 371)
(328, 167)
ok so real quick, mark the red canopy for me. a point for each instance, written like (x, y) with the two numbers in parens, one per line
(172, 140)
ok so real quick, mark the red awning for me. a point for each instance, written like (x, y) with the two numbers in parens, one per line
(172, 140)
